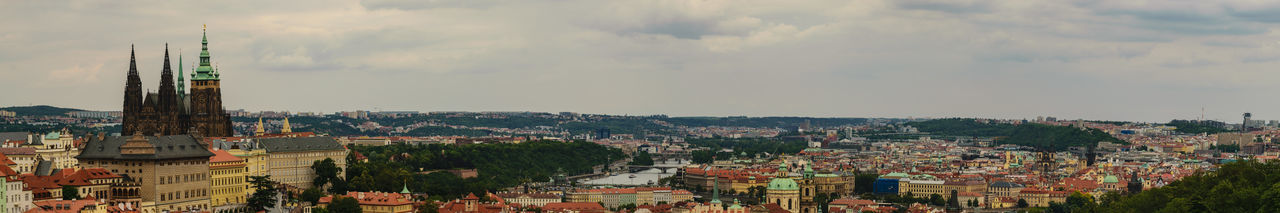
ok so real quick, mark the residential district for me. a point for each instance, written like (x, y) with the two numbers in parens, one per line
(178, 150)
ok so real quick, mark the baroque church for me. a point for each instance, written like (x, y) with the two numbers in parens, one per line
(171, 110)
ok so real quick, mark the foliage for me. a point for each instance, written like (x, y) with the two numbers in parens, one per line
(446, 131)
(70, 192)
(750, 146)
(1022, 203)
(498, 166)
(1056, 137)
(936, 199)
(312, 195)
(1197, 127)
(1226, 147)
(326, 171)
(642, 158)
(762, 122)
(40, 110)
(1030, 134)
(265, 196)
(1243, 186)
(319, 210)
(344, 205)
(963, 127)
(428, 207)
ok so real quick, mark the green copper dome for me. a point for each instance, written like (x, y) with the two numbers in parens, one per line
(1110, 179)
(783, 184)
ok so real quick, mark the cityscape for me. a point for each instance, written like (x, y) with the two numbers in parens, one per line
(158, 134)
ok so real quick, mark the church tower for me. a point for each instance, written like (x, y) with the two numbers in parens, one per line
(132, 96)
(207, 114)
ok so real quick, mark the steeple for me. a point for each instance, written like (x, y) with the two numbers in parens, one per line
(182, 84)
(205, 70)
(168, 95)
(261, 129)
(715, 190)
(133, 86)
(286, 128)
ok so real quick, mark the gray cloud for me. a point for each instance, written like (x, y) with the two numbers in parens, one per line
(861, 58)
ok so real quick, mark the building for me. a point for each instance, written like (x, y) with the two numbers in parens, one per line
(377, 202)
(172, 111)
(8, 114)
(171, 172)
(228, 181)
(785, 193)
(615, 197)
(16, 197)
(290, 159)
(530, 199)
(68, 206)
(471, 203)
(583, 207)
(24, 157)
(58, 147)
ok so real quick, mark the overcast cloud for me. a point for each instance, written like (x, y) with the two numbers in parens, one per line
(1117, 60)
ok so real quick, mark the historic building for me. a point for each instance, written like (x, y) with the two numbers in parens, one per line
(289, 160)
(171, 111)
(167, 173)
(228, 181)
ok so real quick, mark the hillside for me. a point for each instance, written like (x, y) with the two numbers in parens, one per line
(1245, 186)
(1033, 135)
(41, 110)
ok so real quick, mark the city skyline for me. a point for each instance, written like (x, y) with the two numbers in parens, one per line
(1136, 61)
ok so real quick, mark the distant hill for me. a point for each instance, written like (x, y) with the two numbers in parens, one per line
(1033, 135)
(41, 110)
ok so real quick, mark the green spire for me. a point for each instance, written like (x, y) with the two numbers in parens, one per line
(204, 71)
(715, 190)
(406, 189)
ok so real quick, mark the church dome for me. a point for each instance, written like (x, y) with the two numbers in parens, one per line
(783, 184)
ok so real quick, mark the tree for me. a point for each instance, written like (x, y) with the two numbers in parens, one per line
(70, 193)
(319, 210)
(326, 171)
(1022, 203)
(642, 158)
(265, 196)
(344, 205)
(865, 183)
(429, 207)
(312, 195)
(937, 200)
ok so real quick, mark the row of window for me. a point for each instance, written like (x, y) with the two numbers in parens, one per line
(184, 178)
(184, 194)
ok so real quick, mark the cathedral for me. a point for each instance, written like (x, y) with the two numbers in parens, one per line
(171, 110)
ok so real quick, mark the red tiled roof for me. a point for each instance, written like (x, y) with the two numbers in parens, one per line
(222, 156)
(575, 206)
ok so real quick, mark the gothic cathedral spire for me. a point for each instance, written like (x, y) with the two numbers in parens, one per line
(182, 83)
(168, 95)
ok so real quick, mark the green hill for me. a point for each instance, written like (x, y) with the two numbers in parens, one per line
(1033, 135)
(41, 110)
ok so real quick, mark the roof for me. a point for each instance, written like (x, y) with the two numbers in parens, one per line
(783, 184)
(60, 206)
(530, 195)
(577, 206)
(301, 144)
(1110, 179)
(13, 136)
(18, 151)
(375, 198)
(222, 156)
(167, 147)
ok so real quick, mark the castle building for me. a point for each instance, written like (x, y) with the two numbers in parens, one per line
(170, 172)
(171, 111)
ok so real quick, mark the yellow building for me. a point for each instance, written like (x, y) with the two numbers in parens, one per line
(377, 202)
(289, 159)
(228, 181)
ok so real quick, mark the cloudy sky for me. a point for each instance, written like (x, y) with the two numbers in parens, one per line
(1117, 60)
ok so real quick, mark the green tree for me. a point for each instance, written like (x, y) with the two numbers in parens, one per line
(344, 205)
(70, 193)
(429, 207)
(319, 210)
(936, 199)
(865, 183)
(1022, 203)
(312, 195)
(642, 158)
(265, 195)
(326, 171)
